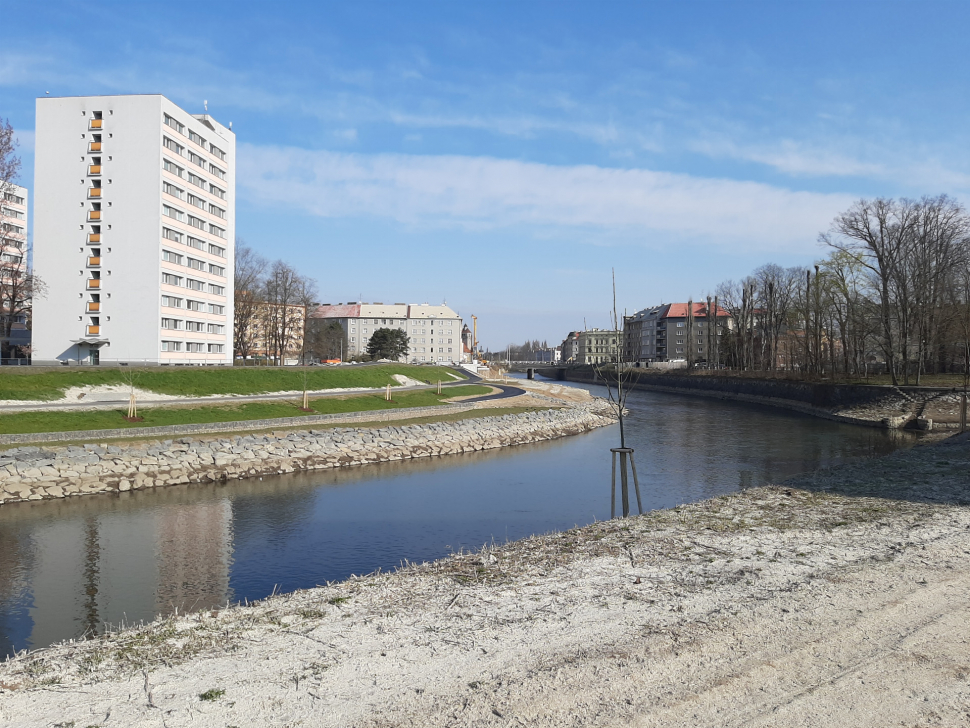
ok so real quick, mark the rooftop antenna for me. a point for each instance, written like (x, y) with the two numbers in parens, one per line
(230, 126)
(48, 93)
(205, 105)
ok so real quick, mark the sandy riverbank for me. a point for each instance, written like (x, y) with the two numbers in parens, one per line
(843, 597)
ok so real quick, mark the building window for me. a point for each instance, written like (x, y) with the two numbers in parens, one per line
(170, 257)
(215, 308)
(172, 301)
(194, 284)
(194, 326)
(216, 250)
(217, 348)
(217, 231)
(195, 305)
(170, 323)
(197, 180)
(169, 121)
(195, 243)
(197, 223)
(171, 280)
(173, 146)
(193, 346)
(197, 201)
(196, 159)
(171, 346)
(218, 290)
(217, 211)
(217, 329)
(173, 168)
(173, 213)
(217, 270)
(217, 172)
(220, 193)
(196, 138)
(217, 152)
(172, 190)
(196, 264)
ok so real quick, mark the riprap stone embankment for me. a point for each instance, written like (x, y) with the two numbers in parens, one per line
(33, 473)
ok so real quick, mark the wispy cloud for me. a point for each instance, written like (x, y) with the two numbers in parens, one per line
(484, 192)
(797, 158)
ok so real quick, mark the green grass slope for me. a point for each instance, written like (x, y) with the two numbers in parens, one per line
(20, 383)
(33, 422)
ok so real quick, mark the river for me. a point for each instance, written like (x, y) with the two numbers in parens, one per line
(70, 567)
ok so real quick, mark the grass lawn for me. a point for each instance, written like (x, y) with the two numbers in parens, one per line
(27, 422)
(23, 384)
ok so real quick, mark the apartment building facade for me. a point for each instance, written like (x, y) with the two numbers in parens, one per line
(14, 288)
(134, 204)
(673, 332)
(597, 346)
(434, 332)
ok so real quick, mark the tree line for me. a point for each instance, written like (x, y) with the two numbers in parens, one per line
(894, 289)
(272, 302)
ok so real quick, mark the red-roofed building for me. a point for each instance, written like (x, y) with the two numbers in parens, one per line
(674, 332)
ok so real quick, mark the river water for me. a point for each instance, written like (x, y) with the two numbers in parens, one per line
(69, 567)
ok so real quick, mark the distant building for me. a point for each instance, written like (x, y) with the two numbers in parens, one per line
(552, 355)
(434, 332)
(672, 332)
(276, 333)
(569, 349)
(13, 270)
(598, 346)
(134, 222)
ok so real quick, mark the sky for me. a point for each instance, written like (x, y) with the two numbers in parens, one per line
(507, 157)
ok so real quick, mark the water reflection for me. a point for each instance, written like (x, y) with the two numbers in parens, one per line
(70, 566)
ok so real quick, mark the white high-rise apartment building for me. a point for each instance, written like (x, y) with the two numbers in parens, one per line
(13, 267)
(134, 223)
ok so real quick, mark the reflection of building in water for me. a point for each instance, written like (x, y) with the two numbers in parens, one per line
(193, 547)
(14, 567)
(125, 565)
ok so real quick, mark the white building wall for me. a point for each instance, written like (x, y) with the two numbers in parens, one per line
(131, 243)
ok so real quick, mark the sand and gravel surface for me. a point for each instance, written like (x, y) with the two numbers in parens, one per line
(841, 598)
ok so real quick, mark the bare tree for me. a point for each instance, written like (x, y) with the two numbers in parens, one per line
(250, 269)
(283, 317)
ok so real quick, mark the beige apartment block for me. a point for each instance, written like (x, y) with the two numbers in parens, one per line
(598, 346)
(134, 222)
(434, 332)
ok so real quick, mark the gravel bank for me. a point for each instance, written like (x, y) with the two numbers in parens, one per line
(842, 597)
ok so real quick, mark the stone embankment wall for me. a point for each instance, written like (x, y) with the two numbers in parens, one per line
(33, 473)
(861, 404)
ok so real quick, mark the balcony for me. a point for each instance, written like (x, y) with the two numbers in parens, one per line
(94, 306)
(94, 260)
(94, 146)
(93, 330)
(94, 214)
(94, 237)
(95, 124)
(94, 284)
(94, 169)
(94, 192)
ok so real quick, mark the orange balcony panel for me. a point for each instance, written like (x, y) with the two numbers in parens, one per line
(94, 283)
(95, 124)
(94, 169)
(93, 306)
(94, 192)
(94, 237)
(94, 260)
(94, 330)
(94, 214)
(94, 147)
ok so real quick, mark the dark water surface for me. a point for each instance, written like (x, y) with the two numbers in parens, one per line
(68, 567)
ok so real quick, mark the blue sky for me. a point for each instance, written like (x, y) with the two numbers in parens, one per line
(504, 156)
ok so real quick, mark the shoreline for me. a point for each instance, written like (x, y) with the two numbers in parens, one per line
(882, 406)
(35, 473)
(842, 595)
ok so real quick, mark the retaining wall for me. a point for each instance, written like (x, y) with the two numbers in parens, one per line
(34, 473)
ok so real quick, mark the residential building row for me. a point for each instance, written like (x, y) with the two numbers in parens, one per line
(669, 332)
(134, 229)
